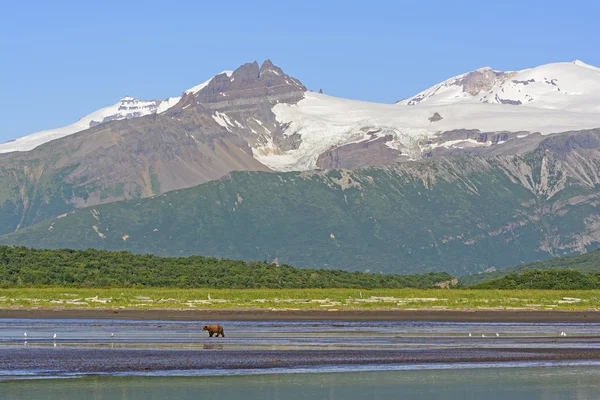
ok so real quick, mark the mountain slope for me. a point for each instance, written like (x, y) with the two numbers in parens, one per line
(190, 144)
(257, 118)
(126, 108)
(584, 263)
(460, 215)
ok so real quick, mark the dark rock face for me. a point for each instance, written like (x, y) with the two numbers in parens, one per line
(373, 152)
(500, 143)
(565, 142)
(435, 117)
(248, 85)
(481, 80)
(508, 101)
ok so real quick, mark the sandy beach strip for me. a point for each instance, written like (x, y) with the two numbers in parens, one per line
(466, 315)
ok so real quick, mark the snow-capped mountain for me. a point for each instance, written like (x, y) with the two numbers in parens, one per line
(126, 108)
(571, 86)
(258, 118)
(484, 111)
(288, 128)
(326, 124)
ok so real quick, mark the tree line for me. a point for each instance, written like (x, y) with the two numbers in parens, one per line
(25, 267)
(565, 279)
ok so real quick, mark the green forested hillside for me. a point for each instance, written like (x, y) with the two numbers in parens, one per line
(585, 264)
(544, 279)
(20, 266)
(459, 215)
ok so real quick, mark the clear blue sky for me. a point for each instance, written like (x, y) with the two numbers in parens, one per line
(61, 60)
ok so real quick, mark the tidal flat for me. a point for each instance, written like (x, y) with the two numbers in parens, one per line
(63, 347)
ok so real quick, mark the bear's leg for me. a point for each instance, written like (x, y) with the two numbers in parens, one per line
(210, 334)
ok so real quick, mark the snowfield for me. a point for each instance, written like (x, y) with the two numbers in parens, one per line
(325, 122)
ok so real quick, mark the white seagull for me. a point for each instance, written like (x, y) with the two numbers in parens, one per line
(25, 334)
(497, 334)
(112, 334)
(482, 335)
(469, 334)
(54, 337)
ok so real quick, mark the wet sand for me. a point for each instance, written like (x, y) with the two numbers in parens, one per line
(304, 315)
(88, 361)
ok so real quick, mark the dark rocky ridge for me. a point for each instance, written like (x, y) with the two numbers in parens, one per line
(372, 152)
(248, 86)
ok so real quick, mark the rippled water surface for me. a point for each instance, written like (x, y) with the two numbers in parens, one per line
(555, 383)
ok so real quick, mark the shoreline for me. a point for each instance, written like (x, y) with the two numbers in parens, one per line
(464, 315)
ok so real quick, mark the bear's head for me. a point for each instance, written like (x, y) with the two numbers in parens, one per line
(205, 328)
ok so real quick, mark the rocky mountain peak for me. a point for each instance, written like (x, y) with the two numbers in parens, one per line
(481, 80)
(250, 84)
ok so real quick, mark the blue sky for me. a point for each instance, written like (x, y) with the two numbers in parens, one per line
(63, 59)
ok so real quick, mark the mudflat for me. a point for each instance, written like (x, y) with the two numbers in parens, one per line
(103, 360)
(464, 315)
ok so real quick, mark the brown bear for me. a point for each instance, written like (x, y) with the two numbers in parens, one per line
(212, 329)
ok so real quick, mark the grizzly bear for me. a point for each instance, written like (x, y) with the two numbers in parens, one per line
(212, 329)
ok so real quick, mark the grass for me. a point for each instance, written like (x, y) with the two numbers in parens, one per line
(148, 298)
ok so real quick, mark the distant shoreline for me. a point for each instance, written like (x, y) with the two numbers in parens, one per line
(465, 315)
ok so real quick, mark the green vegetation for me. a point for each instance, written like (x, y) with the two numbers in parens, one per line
(154, 181)
(585, 263)
(22, 267)
(459, 215)
(286, 299)
(544, 279)
(26, 199)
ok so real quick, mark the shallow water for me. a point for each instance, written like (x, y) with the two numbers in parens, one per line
(550, 383)
(264, 335)
(249, 341)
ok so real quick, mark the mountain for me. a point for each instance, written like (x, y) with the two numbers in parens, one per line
(571, 86)
(128, 107)
(197, 140)
(456, 214)
(258, 118)
(471, 114)
(584, 263)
